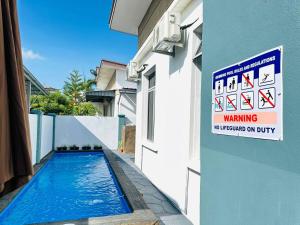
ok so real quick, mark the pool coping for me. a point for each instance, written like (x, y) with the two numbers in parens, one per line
(137, 217)
(133, 196)
(141, 214)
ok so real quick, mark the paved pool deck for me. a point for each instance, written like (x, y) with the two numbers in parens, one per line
(160, 205)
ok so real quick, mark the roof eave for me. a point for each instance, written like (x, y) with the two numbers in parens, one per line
(112, 11)
(122, 21)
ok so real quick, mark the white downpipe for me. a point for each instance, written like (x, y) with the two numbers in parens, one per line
(176, 6)
(119, 99)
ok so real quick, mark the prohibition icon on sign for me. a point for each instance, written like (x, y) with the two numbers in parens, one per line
(248, 80)
(247, 100)
(231, 102)
(219, 104)
(266, 98)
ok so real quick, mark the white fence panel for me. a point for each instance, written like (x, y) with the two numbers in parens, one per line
(47, 134)
(33, 135)
(83, 130)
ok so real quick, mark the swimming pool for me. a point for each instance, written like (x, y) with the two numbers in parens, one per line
(70, 186)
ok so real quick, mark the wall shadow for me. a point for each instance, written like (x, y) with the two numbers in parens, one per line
(176, 63)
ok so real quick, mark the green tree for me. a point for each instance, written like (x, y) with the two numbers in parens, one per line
(88, 84)
(71, 102)
(73, 88)
(84, 109)
(53, 103)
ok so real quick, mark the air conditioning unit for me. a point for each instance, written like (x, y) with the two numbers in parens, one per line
(132, 73)
(167, 33)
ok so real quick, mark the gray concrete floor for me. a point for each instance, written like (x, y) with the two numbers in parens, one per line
(156, 201)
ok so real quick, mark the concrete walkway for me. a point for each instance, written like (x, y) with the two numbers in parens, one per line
(156, 201)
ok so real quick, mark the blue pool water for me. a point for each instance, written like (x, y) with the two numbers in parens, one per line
(70, 186)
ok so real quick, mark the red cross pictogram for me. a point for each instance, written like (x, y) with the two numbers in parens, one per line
(219, 104)
(230, 101)
(247, 101)
(248, 81)
(265, 97)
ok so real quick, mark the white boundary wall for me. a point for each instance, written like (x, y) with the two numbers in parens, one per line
(47, 135)
(33, 135)
(83, 130)
(70, 130)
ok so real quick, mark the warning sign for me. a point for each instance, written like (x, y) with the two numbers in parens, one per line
(247, 97)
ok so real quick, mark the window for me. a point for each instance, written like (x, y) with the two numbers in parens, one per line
(151, 107)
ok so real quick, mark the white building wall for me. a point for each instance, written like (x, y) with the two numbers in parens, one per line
(170, 167)
(47, 133)
(127, 106)
(83, 130)
(33, 136)
(112, 85)
(121, 80)
(121, 104)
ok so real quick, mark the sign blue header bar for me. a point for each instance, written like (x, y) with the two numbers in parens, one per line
(254, 63)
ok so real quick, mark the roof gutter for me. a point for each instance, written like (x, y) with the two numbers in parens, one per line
(112, 12)
(34, 81)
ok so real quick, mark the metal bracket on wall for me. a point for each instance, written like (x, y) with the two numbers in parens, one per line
(172, 53)
(180, 44)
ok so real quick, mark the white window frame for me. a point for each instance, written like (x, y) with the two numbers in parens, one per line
(145, 89)
(151, 90)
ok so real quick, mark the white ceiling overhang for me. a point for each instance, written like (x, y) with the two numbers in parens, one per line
(126, 15)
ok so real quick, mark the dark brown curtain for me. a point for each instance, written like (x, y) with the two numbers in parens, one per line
(15, 149)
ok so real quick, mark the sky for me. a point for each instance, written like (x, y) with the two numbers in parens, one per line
(59, 36)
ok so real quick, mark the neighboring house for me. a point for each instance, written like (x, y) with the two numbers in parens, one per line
(51, 89)
(33, 86)
(114, 95)
(168, 97)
